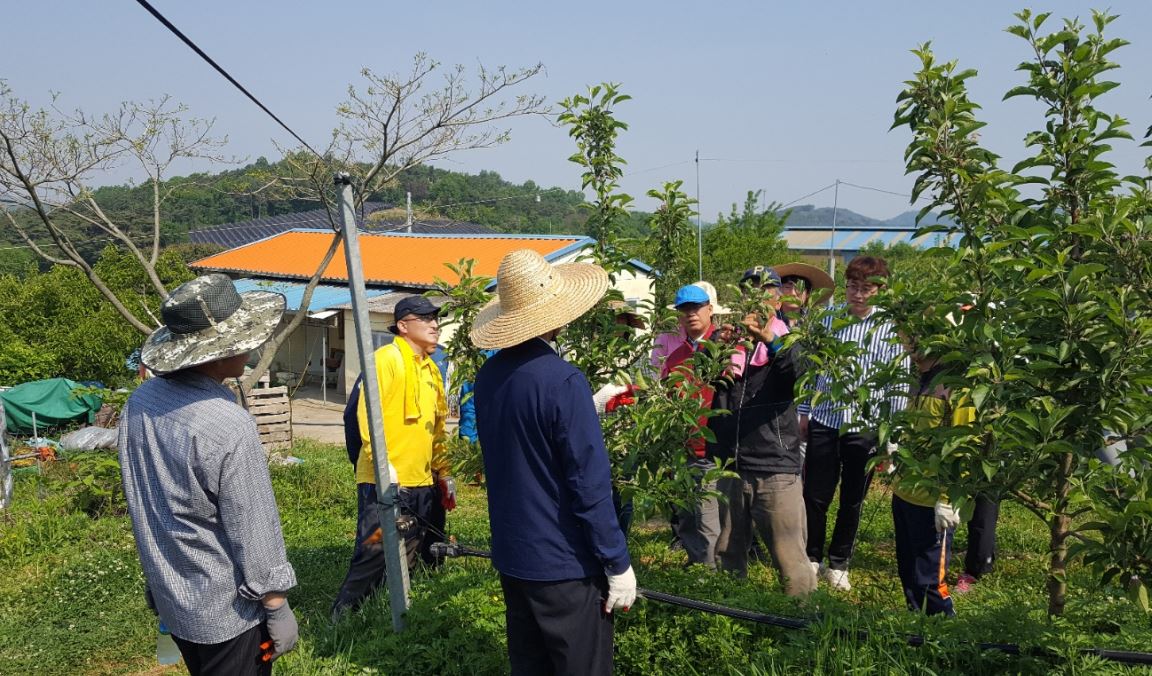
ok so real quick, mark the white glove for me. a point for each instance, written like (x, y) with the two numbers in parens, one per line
(449, 486)
(891, 448)
(621, 591)
(605, 394)
(946, 516)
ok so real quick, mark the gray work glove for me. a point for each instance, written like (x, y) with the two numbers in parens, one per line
(282, 628)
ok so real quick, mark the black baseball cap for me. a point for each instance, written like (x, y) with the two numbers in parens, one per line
(412, 305)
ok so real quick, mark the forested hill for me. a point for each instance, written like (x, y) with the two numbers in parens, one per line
(235, 195)
(810, 216)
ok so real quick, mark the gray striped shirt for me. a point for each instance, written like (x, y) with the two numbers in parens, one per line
(203, 512)
(880, 346)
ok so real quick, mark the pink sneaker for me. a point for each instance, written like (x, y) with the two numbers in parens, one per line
(964, 583)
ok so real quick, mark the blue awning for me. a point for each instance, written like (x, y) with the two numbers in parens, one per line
(323, 296)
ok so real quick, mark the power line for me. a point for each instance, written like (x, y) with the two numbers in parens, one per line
(494, 199)
(176, 31)
(887, 192)
(814, 192)
(662, 166)
(794, 161)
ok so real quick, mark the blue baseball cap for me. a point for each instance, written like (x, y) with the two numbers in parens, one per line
(690, 293)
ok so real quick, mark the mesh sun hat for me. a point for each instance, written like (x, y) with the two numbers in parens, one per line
(717, 308)
(206, 319)
(534, 297)
(820, 284)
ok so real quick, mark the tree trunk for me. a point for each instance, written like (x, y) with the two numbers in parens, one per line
(1059, 523)
(1058, 526)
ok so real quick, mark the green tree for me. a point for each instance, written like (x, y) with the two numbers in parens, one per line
(57, 324)
(1054, 260)
(746, 237)
(592, 123)
(671, 243)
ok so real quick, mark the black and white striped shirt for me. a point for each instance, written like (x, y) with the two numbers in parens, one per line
(880, 346)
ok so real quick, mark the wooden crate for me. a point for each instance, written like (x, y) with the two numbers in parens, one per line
(273, 412)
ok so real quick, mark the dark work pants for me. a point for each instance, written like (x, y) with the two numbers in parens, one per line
(558, 628)
(922, 555)
(834, 460)
(981, 554)
(239, 656)
(425, 525)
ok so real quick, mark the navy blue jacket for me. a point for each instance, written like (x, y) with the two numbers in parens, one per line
(549, 485)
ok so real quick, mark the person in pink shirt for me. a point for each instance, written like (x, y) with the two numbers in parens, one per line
(696, 305)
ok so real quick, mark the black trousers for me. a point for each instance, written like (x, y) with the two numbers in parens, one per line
(239, 656)
(922, 556)
(834, 460)
(981, 554)
(423, 518)
(558, 628)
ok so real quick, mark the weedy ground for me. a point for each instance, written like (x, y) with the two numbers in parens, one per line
(71, 598)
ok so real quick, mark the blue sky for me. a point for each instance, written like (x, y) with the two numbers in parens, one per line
(784, 97)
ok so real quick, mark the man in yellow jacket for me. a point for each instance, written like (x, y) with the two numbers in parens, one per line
(414, 409)
(923, 519)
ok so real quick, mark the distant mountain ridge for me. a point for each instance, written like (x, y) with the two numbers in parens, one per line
(809, 216)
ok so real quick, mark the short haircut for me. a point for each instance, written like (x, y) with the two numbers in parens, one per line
(864, 268)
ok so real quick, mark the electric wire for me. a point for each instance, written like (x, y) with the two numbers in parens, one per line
(811, 194)
(176, 31)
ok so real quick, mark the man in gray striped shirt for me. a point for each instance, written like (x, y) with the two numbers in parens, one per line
(839, 446)
(196, 480)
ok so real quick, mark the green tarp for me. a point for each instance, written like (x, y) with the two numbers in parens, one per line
(51, 400)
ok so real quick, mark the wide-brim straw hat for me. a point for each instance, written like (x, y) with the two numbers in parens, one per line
(717, 308)
(534, 297)
(206, 320)
(821, 283)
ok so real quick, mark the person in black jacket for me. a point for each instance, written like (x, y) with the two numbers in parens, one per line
(761, 436)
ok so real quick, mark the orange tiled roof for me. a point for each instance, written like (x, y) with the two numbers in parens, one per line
(401, 260)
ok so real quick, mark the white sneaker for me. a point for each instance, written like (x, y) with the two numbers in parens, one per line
(817, 568)
(838, 579)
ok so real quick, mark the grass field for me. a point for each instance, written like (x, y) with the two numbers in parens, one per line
(71, 600)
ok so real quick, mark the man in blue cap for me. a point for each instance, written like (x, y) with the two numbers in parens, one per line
(698, 529)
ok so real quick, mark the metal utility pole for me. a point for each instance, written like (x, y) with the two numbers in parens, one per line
(387, 506)
(409, 230)
(832, 240)
(699, 225)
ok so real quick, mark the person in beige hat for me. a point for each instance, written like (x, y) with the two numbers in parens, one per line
(562, 557)
(196, 482)
(802, 286)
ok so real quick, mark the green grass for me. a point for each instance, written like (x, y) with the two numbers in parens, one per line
(71, 600)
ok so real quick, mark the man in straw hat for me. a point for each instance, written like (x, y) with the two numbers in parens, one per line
(414, 410)
(196, 481)
(562, 558)
(801, 286)
(697, 529)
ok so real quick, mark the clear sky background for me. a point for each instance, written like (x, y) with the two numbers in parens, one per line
(784, 97)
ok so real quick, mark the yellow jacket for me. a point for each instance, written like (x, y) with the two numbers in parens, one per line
(414, 410)
(933, 412)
